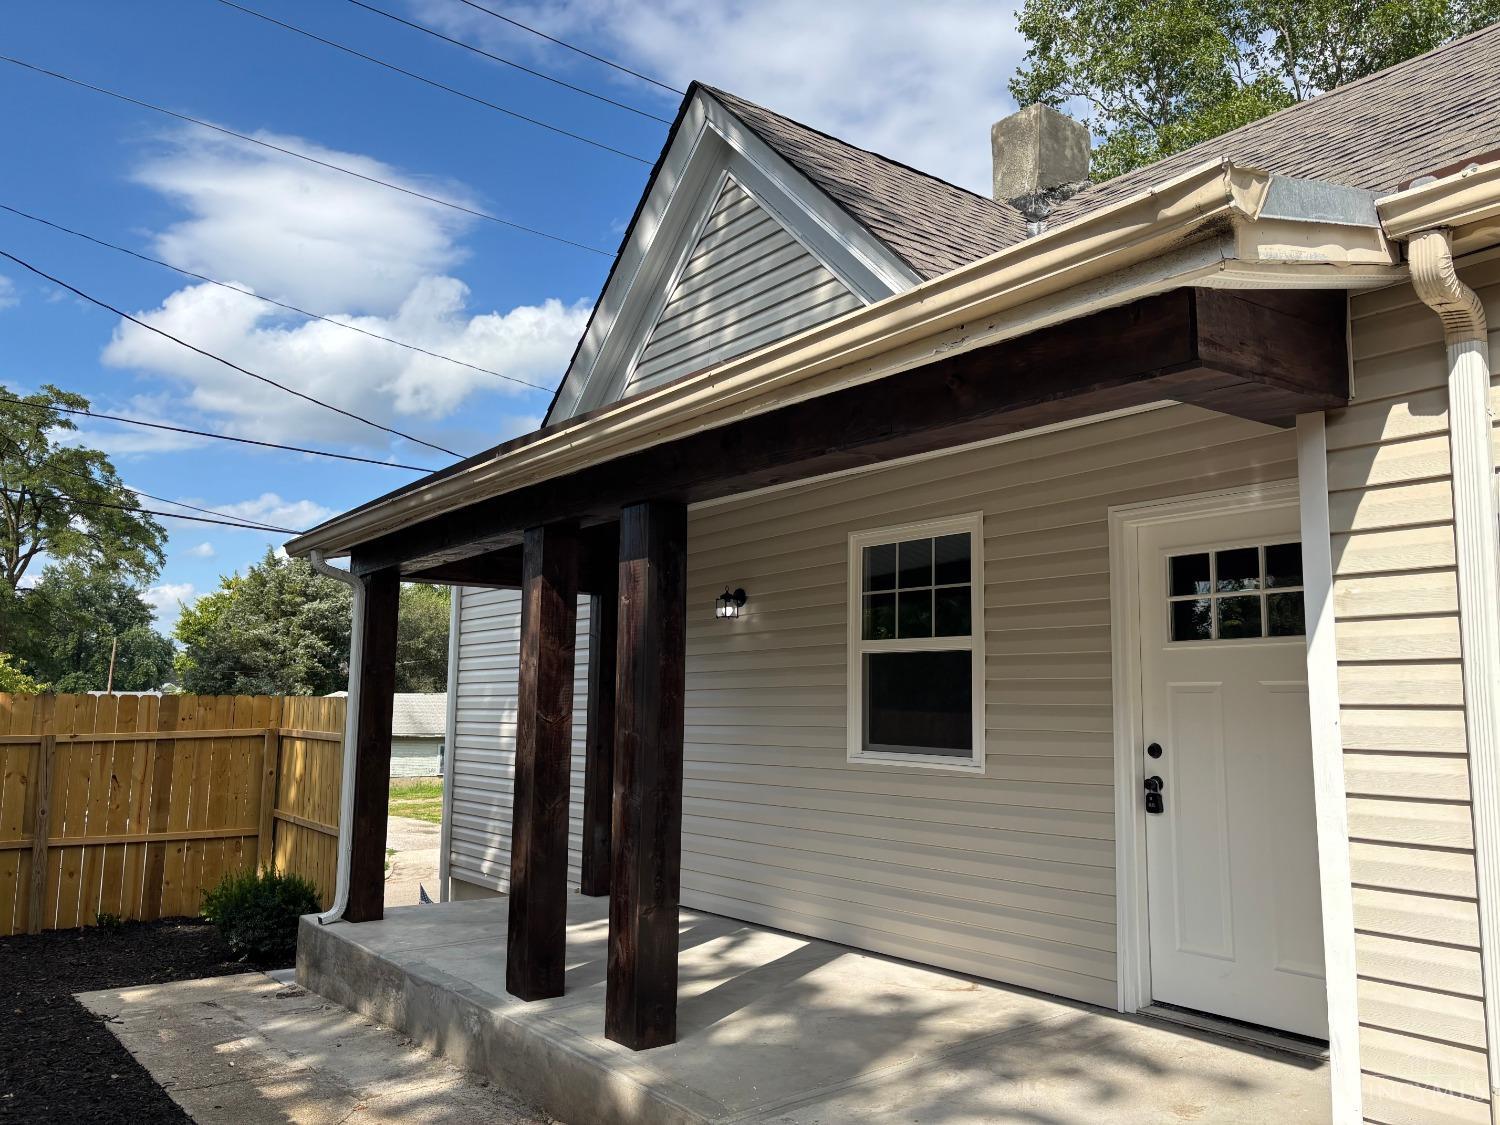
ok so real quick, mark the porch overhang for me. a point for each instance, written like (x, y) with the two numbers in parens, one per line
(1211, 289)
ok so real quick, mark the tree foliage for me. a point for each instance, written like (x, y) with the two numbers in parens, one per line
(62, 502)
(281, 628)
(15, 681)
(1162, 76)
(65, 626)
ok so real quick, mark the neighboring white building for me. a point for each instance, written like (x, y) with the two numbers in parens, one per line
(418, 733)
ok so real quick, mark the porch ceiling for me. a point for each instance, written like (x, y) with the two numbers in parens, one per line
(1264, 355)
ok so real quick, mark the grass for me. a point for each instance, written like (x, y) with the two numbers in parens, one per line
(420, 798)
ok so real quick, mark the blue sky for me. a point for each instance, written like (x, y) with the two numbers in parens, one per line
(922, 86)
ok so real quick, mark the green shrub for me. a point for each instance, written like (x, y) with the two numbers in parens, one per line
(257, 912)
(107, 921)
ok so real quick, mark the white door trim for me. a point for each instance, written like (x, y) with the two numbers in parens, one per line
(1133, 959)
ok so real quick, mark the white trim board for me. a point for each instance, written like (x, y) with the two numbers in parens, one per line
(710, 142)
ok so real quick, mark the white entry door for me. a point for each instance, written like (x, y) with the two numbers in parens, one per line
(1231, 837)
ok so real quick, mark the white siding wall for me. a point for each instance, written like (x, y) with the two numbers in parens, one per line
(1010, 875)
(1395, 597)
(488, 652)
(746, 283)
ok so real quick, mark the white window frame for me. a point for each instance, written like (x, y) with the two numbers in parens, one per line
(971, 524)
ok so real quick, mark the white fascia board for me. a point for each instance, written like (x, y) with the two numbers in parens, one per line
(710, 143)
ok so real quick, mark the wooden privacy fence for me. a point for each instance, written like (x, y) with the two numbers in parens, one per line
(135, 806)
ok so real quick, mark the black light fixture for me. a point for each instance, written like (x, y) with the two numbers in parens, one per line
(729, 602)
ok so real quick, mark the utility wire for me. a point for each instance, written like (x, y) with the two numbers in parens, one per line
(220, 359)
(510, 62)
(563, 43)
(268, 300)
(154, 512)
(303, 156)
(216, 437)
(435, 84)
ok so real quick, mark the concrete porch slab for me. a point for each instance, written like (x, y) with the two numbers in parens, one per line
(778, 1028)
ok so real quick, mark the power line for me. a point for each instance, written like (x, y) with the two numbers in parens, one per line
(216, 437)
(220, 359)
(303, 156)
(579, 50)
(154, 512)
(268, 300)
(435, 84)
(510, 62)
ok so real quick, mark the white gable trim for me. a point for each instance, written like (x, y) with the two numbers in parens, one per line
(711, 145)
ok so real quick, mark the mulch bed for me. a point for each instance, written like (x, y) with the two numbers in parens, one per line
(58, 1062)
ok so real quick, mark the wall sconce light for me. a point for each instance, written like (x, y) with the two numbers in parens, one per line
(729, 602)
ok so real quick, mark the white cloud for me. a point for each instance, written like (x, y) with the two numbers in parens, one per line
(202, 551)
(8, 296)
(167, 600)
(270, 508)
(918, 82)
(260, 223)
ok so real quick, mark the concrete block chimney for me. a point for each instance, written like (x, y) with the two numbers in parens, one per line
(1041, 155)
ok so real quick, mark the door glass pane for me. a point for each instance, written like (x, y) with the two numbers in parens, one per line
(950, 556)
(880, 567)
(1238, 617)
(919, 703)
(1189, 575)
(951, 611)
(914, 613)
(1284, 615)
(879, 617)
(916, 563)
(1238, 569)
(1284, 565)
(1192, 620)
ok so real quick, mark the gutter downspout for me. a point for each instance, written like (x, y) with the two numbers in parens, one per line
(1477, 551)
(351, 721)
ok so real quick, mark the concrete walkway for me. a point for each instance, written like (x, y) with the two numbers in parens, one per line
(250, 1050)
(780, 1029)
(415, 862)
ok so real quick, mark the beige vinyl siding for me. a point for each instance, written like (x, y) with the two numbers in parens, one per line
(488, 653)
(1009, 875)
(1396, 602)
(745, 283)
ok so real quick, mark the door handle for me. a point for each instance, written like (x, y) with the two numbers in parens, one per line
(1154, 803)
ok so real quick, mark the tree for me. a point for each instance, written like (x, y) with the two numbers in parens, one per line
(422, 639)
(67, 624)
(281, 628)
(1160, 77)
(13, 680)
(63, 502)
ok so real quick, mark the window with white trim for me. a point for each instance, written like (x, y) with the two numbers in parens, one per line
(916, 644)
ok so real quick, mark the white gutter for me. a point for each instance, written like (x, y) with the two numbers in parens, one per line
(351, 731)
(1143, 244)
(1472, 457)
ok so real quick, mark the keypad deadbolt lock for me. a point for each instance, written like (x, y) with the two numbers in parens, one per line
(1154, 802)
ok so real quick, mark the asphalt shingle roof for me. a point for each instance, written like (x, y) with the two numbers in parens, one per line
(1426, 113)
(929, 223)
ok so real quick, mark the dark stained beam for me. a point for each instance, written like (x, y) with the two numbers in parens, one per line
(1262, 356)
(598, 562)
(372, 761)
(599, 739)
(538, 899)
(640, 1006)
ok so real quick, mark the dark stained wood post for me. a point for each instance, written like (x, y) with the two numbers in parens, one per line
(535, 953)
(372, 764)
(599, 753)
(640, 1008)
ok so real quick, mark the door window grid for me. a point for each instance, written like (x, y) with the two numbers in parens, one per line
(1236, 593)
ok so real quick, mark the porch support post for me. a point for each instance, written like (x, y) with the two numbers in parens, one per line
(640, 1008)
(538, 919)
(372, 763)
(599, 744)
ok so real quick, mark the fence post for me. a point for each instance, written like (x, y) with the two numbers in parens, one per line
(40, 827)
(270, 766)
